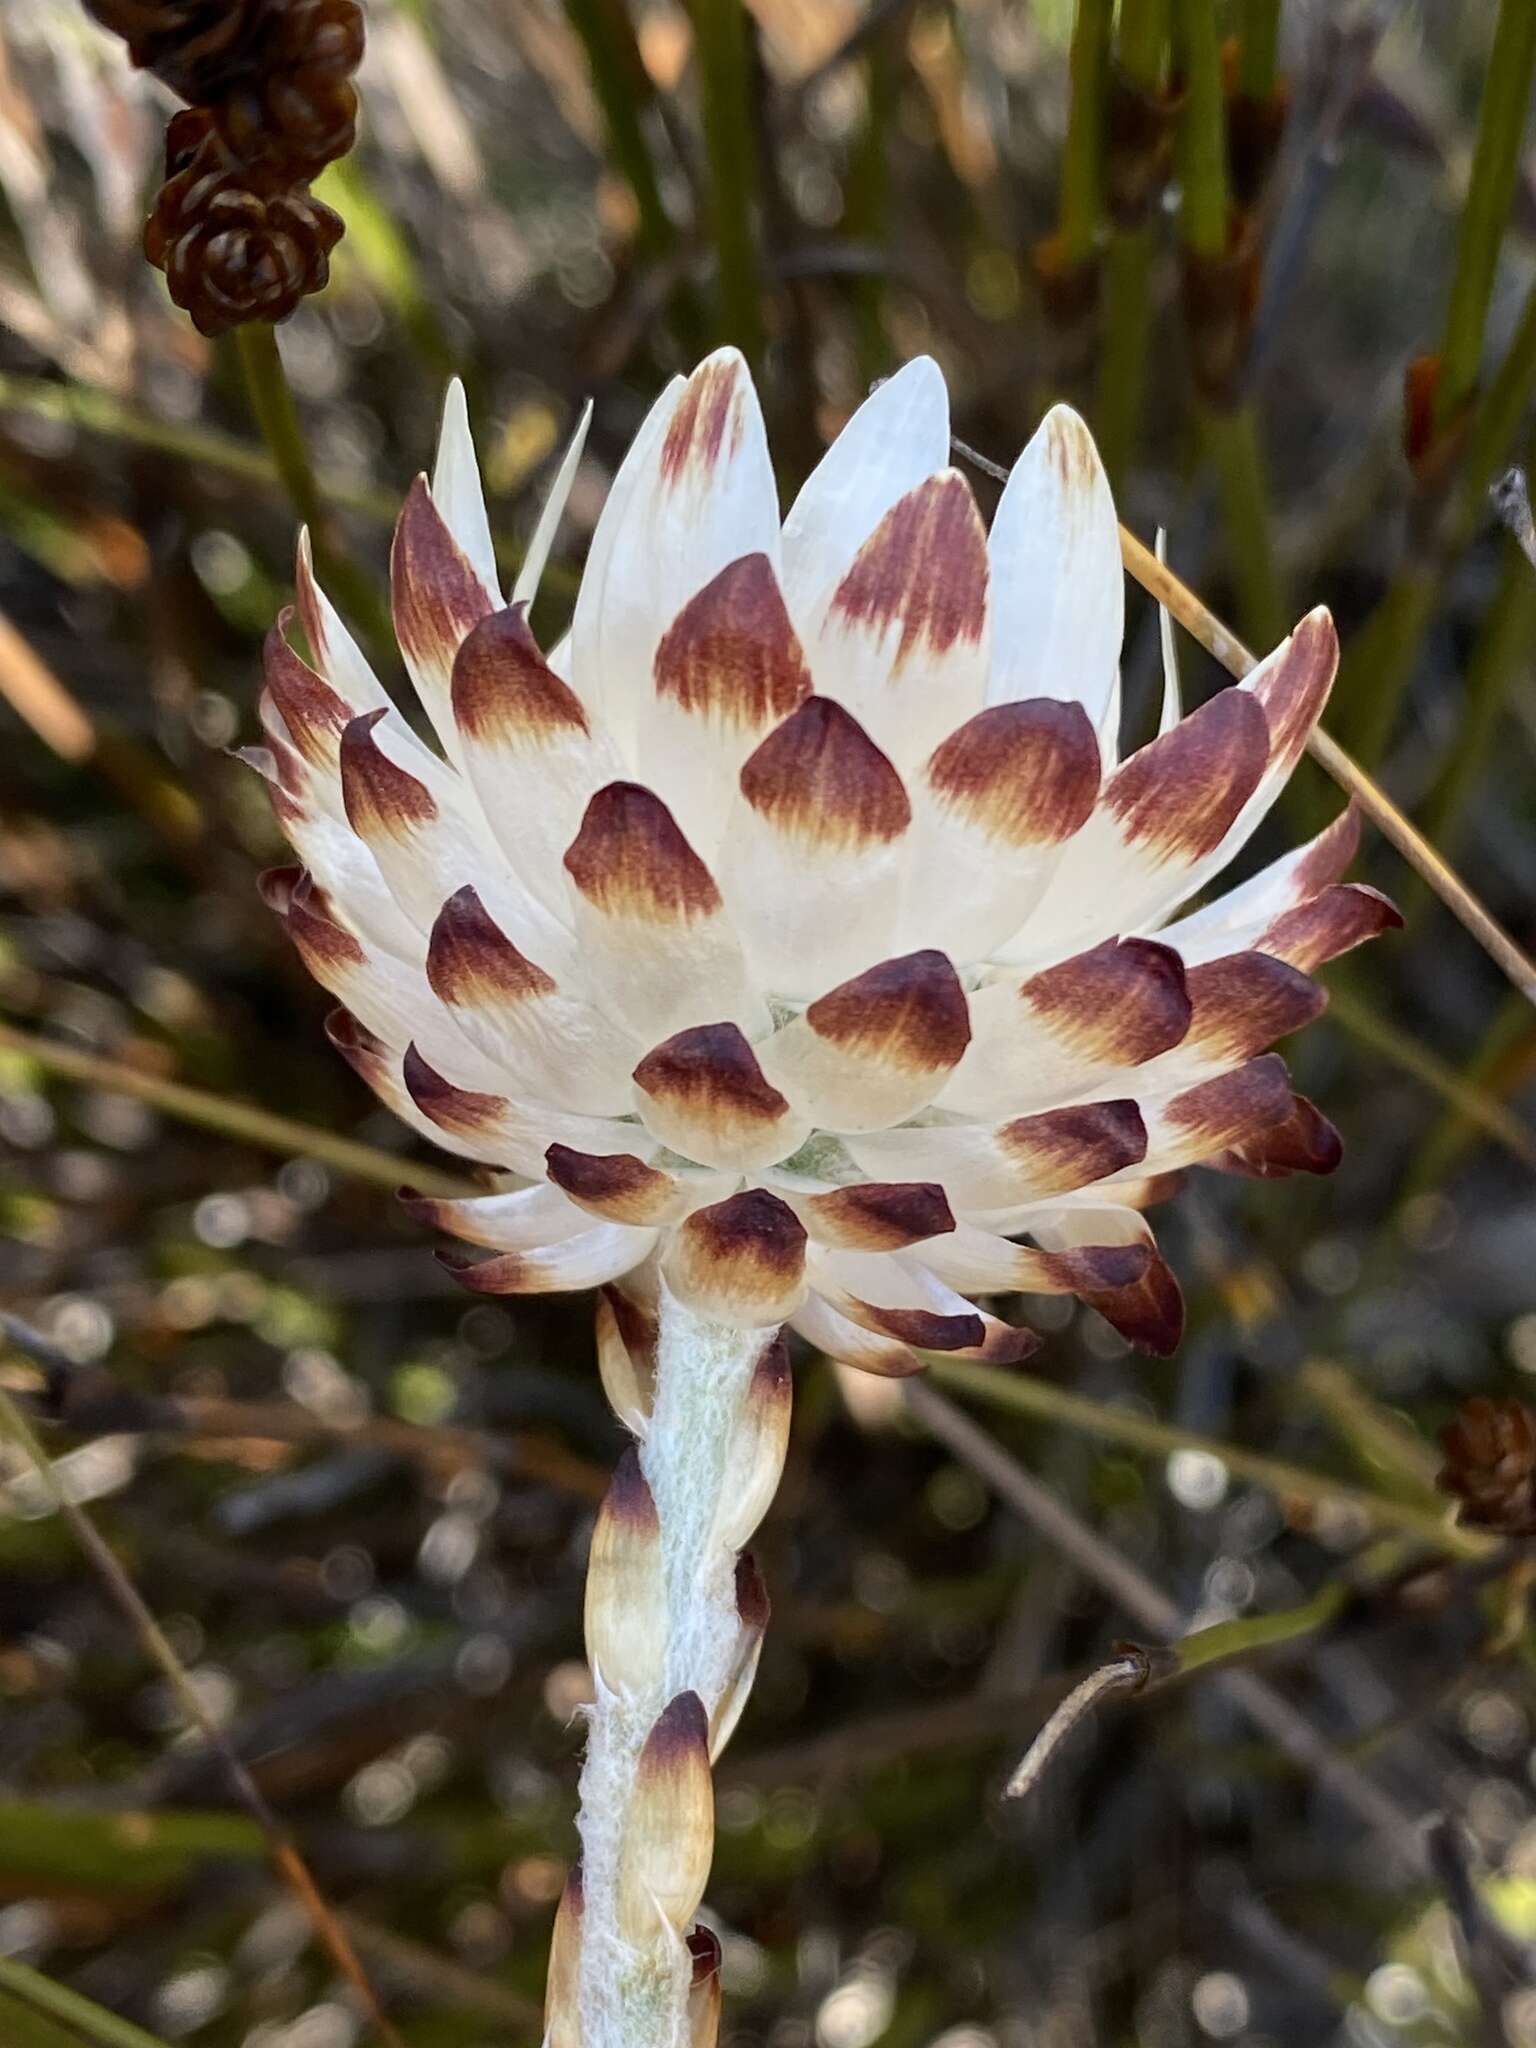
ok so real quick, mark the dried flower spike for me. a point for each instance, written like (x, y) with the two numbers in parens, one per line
(1490, 1465)
(795, 933)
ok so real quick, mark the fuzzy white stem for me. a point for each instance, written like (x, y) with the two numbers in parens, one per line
(672, 1639)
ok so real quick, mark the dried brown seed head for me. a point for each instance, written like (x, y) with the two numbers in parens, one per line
(1490, 1465)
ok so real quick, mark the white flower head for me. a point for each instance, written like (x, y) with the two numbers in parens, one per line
(793, 929)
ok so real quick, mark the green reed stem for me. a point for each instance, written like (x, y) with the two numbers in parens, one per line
(1501, 654)
(721, 28)
(1258, 49)
(276, 415)
(1490, 194)
(1028, 1396)
(1141, 50)
(1082, 163)
(866, 195)
(1490, 1072)
(243, 1120)
(97, 412)
(91, 2021)
(1232, 444)
(1123, 346)
(1471, 1104)
(1380, 659)
(1142, 44)
(1205, 201)
(272, 407)
(621, 86)
(1245, 1633)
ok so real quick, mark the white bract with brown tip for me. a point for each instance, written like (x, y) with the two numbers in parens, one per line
(795, 933)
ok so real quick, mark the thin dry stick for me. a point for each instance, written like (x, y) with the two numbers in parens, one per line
(1151, 1608)
(284, 1852)
(1127, 1673)
(1223, 645)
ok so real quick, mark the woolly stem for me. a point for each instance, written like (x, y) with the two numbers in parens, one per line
(675, 1617)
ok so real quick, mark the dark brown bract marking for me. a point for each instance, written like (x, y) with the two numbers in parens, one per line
(311, 709)
(881, 1216)
(731, 654)
(379, 796)
(1302, 1142)
(435, 595)
(1329, 855)
(503, 689)
(470, 959)
(1073, 1147)
(319, 938)
(629, 859)
(1243, 1002)
(679, 1736)
(1122, 1002)
(1148, 1311)
(924, 567)
(756, 1236)
(628, 1501)
(616, 1185)
(910, 1013)
(635, 1324)
(707, 425)
(928, 1329)
(753, 1608)
(1234, 1107)
(1027, 773)
(1180, 793)
(1293, 694)
(463, 1110)
(820, 777)
(711, 1069)
(1339, 918)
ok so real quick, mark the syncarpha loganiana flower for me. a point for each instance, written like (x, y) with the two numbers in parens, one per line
(794, 929)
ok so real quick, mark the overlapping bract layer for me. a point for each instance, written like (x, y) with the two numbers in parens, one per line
(793, 928)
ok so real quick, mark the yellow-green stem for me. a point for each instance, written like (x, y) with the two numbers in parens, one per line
(721, 28)
(242, 1120)
(272, 407)
(1142, 42)
(1038, 1398)
(1082, 163)
(1448, 1139)
(1502, 652)
(1202, 138)
(1490, 192)
(1123, 346)
(1470, 1104)
(85, 2019)
(1258, 47)
(1232, 445)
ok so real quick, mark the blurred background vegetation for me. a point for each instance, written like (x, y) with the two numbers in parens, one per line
(1282, 258)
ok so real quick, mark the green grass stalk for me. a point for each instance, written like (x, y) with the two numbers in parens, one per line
(1205, 202)
(1490, 194)
(1026, 1395)
(721, 28)
(1258, 49)
(1232, 445)
(1502, 652)
(1082, 163)
(272, 407)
